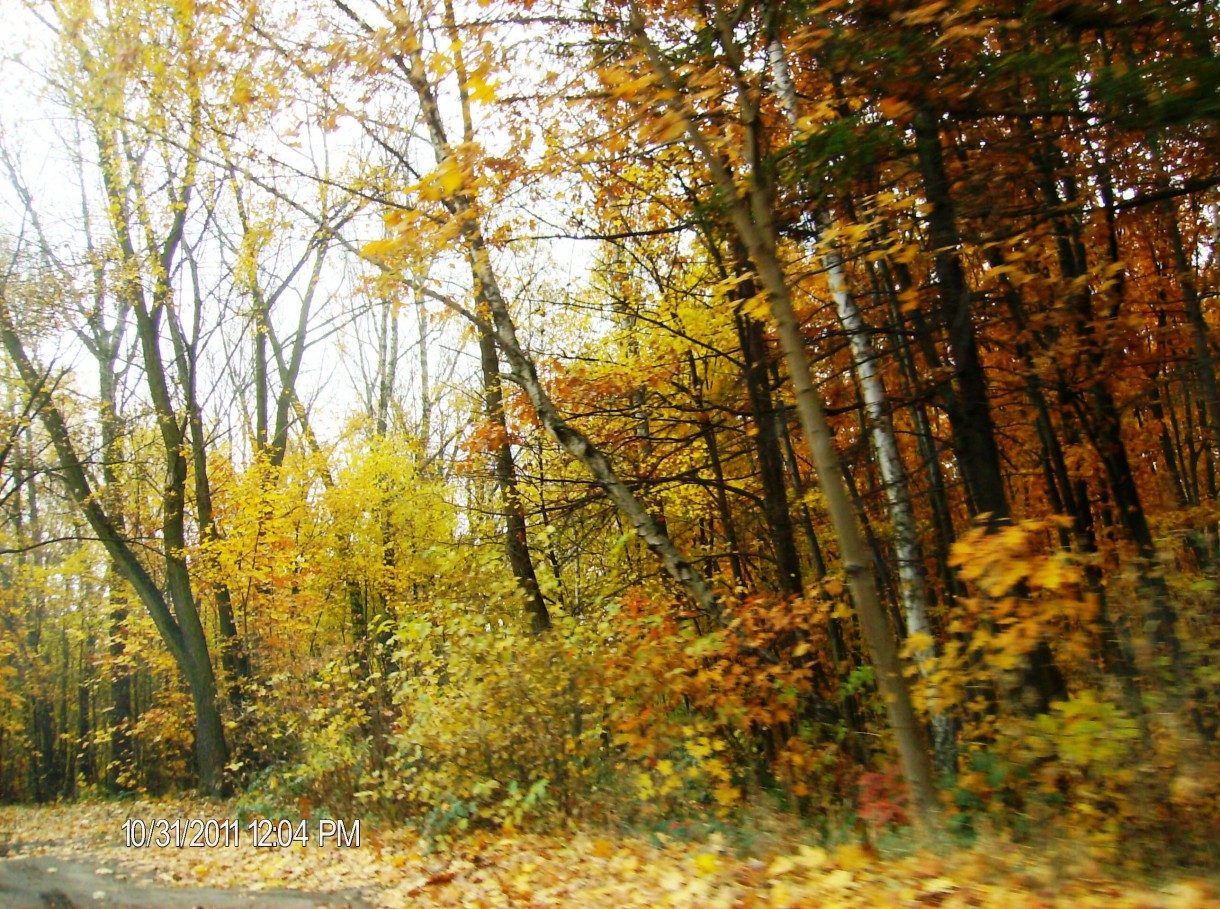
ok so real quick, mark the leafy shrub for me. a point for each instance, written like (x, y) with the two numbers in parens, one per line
(495, 726)
(711, 717)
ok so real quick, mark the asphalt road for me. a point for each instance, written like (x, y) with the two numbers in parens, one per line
(50, 882)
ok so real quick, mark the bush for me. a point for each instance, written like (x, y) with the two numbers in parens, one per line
(495, 726)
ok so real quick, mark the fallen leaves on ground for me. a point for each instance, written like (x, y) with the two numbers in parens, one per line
(394, 869)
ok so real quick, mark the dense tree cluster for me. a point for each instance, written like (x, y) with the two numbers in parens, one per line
(480, 412)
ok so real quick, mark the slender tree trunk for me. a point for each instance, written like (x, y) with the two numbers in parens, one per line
(515, 539)
(908, 551)
(971, 423)
(1205, 364)
(1208, 550)
(85, 747)
(975, 446)
(1098, 408)
(120, 716)
(261, 389)
(425, 386)
(766, 439)
(708, 431)
(234, 658)
(929, 450)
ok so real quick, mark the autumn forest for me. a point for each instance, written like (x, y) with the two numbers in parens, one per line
(630, 414)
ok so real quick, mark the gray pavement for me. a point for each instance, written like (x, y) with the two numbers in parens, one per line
(53, 882)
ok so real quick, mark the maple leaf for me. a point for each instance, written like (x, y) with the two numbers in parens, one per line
(480, 90)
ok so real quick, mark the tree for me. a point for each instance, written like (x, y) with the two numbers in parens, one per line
(451, 181)
(148, 245)
(752, 216)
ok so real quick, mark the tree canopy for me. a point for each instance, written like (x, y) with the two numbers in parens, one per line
(490, 413)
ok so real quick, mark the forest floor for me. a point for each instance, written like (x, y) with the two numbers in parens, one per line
(75, 857)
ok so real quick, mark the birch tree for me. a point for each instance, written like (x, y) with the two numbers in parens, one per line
(865, 362)
(751, 214)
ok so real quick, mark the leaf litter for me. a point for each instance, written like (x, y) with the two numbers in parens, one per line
(395, 869)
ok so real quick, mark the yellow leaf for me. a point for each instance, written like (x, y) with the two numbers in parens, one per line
(717, 769)
(838, 880)
(706, 863)
(851, 857)
(377, 249)
(781, 896)
(919, 642)
(811, 857)
(602, 848)
(781, 866)
(450, 175)
(443, 181)
(479, 90)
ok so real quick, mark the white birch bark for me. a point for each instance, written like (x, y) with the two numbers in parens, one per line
(753, 220)
(912, 583)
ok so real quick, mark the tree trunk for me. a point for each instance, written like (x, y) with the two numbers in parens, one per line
(974, 438)
(120, 715)
(708, 431)
(907, 550)
(770, 456)
(234, 659)
(1097, 407)
(753, 221)
(86, 764)
(515, 539)
(884, 281)
(970, 420)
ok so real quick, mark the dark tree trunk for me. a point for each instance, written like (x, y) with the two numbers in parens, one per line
(971, 423)
(85, 763)
(120, 716)
(752, 337)
(1099, 412)
(708, 431)
(515, 540)
(885, 280)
